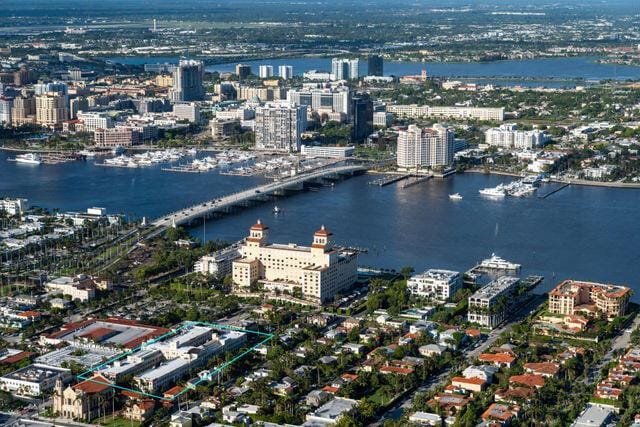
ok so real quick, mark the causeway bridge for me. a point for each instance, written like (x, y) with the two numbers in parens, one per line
(260, 193)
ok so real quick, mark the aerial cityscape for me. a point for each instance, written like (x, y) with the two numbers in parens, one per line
(306, 213)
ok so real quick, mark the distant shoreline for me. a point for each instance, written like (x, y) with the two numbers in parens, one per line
(583, 182)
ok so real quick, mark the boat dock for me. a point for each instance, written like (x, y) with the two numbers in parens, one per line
(386, 180)
(183, 169)
(555, 190)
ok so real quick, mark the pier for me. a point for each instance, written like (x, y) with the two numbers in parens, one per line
(555, 190)
(416, 181)
(386, 180)
(260, 193)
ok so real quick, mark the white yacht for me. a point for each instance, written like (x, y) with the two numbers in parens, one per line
(496, 192)
(497, 263)
(455, 196)
(29, 158)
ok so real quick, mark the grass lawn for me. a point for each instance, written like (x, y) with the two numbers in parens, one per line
(115, 422)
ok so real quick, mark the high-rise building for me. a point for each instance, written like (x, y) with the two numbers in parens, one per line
(187, 81)
(266, 71)
(279, 126)
(362, 117)
(6, 104)
(345, 69)
(243, 71)
(51, 109)
(425, 147)
(375, 65)
(322, 100)
(489, 305)
(285, 72)
(23, 111)
(23, 76)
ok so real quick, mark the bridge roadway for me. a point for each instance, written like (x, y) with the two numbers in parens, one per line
(184, 216)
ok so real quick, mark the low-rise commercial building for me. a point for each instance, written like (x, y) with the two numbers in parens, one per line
(326, 151)
(33, 380)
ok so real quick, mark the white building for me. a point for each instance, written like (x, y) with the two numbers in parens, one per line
(318, 272)
(189, 111)
(33, 380)
(451, 112)
(322, 100)
(14, 206)
(425, 147)
(331, 412)
(345, 69)
(437, 284)
(218, 264)
(81, 288)
(316, 75)
(326, 151)
(507, 136)
(425, 419)
(265, 71)
(488, 306)
(278, 126)
(382, 119)
(93, 121)
(6, 105)
(285, 72)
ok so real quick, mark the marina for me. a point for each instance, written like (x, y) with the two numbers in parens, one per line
(521, 188)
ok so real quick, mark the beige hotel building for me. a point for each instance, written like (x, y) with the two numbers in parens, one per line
(319, 271)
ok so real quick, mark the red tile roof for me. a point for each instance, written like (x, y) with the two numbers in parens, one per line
(496, 358)
(96, 384)
(528, 380)
(16, 357)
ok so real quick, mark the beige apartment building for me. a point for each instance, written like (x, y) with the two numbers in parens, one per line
(572, 297)
(319, 272)
(51, 110)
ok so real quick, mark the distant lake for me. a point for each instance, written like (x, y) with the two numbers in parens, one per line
(508, 72)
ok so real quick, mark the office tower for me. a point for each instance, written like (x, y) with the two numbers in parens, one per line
(243, 71)
(345, 69)
(285, 72)
(77, 104)
(322, 100)
(279, 126)
(362, 117)
(75, 74)
(266, 71)
(51, 109)
(6, 104)
(187, 81)
(23, 111)
(425, 147)
(375, 65)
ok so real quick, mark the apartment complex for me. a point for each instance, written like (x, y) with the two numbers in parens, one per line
(437, 284)
(318, 272)
(418, 111)
(572, 297)
(279, 126)
(23, 110)
(425, 147)
(51, 110)
(14, 206)
(285, 72)
(488, 306)
(345, 69)
(265, 71)
(507, 136)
